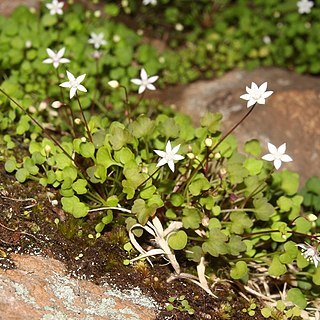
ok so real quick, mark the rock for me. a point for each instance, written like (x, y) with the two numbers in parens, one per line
(40, 289)
(290, 115)
(8, 6)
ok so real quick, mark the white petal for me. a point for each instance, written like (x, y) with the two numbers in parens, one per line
(267, 94)
(254, 87)
(48, 60)
(142, 88)
(268, 157)
(162, 162)
(160, 153)
(286, 158)
(168, 147)
(153, 79)
(177, 157)
(143, 74)
(263, 87)
(151, 86)
(261, 100)
(272, 148)
(56, 64)
(277, 163)
(70, 76)
(72, 92)
(64, 60)
(81, 78)
(246, 96)
(171, 165)
(138, 82)
(50, 53)
(61, 52)
(176, 148)
(65, 84)
(251, 102)
(282, 149)
(82, 88)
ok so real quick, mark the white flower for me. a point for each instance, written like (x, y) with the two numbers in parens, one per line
(169, 156)
(97, 40)
(55, 7)
(145, 82)
(146, 2)
(277, 155)
(310, 253)
(304, 6)
(74, 84)
(256, 94)
(56, 58)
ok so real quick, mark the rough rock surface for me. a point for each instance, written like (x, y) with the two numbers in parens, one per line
(7, 6)
(291, 114)
(40, 289)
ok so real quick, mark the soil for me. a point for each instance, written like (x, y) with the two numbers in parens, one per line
(27, 226)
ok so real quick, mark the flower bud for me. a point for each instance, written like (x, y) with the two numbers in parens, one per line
(113, 84)
(47, 149)
(217, 156)
(190, 155)
(83, 139)
(56, 104)
(208, 142)
(77, 121)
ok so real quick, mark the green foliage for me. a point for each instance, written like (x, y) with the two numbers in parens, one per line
(232, 208)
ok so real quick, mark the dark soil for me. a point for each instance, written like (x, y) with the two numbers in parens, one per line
(27, 226)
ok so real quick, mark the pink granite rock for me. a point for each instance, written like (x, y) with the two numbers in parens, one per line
(40, 289)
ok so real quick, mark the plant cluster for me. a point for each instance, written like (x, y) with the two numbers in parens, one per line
(116, 159)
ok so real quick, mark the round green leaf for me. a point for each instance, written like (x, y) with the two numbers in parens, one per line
(178, 240)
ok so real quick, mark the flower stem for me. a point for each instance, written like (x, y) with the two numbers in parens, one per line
(54, 140)
(142, 183)
(84, 120)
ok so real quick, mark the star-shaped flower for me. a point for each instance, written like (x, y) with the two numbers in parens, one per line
(169, 156)
(146, 2)
(56, 58)
(145, 82)
(96, 39)
(304, 6)
(55, 7)
(277, 155)
(256, 94)
(74, 84)
(310, 253)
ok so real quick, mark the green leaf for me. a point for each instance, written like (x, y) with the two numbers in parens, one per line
(211, 121)
(276, 267)
(143, 211)
(22, 175)
(124, 155)
(287, 181)
(119, 137)
(296, 296)
(104, 157)
(108, 218)
(191, 218)
(239, 271)
(194, 253)
(111, 10)
(178, 240)
(254, 166)
(142, 127)
(198, 185)
(216, 244)
(74, 206)
(87, 150)
(236, 245)
(302, 225)
(79, 186)
(313, 185)
(253, 147)
(263, 210)
(176, 199)
(10, 165)
(290, 253)
(240, 222)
